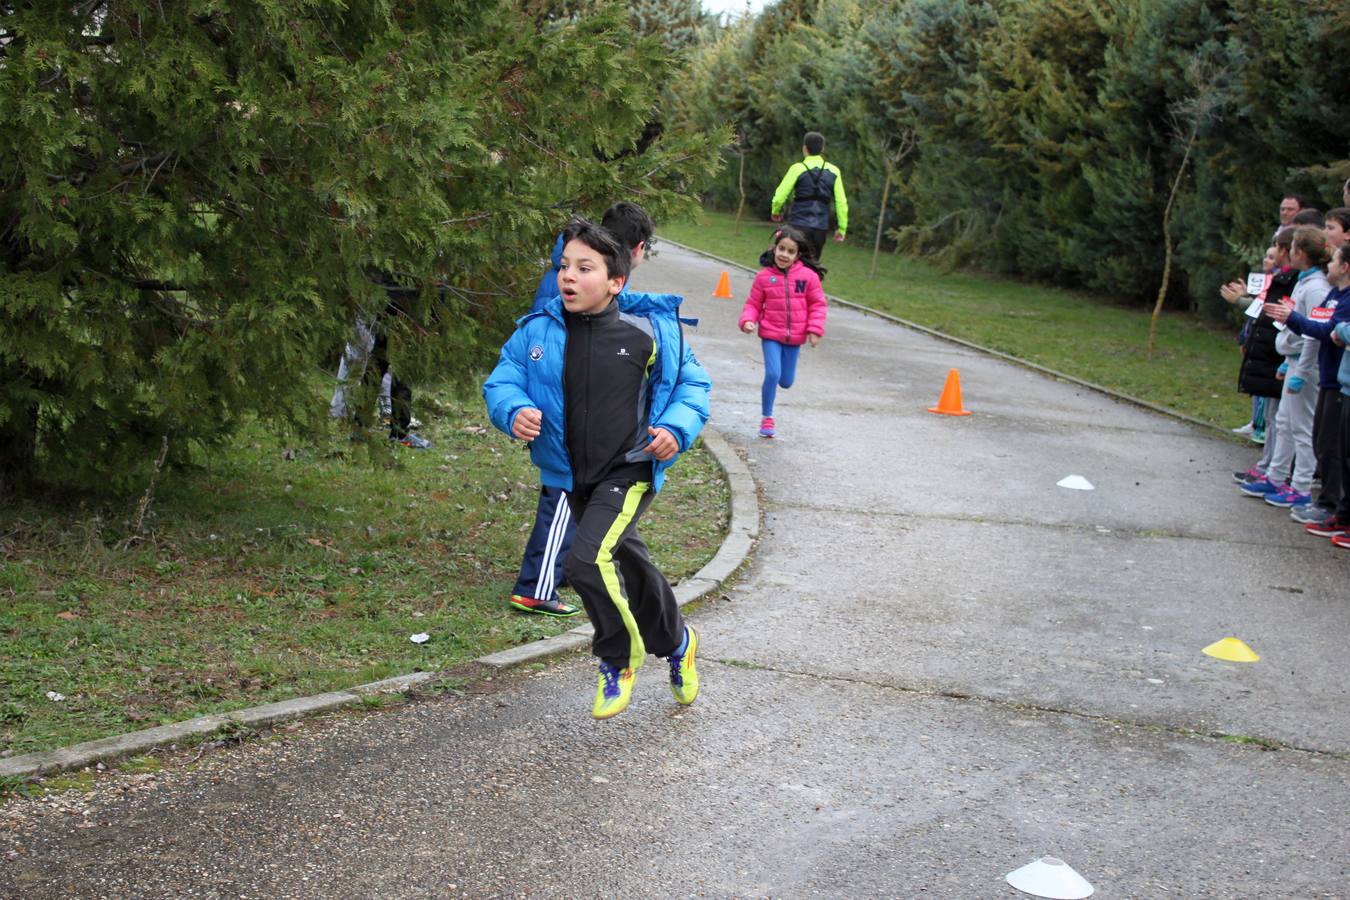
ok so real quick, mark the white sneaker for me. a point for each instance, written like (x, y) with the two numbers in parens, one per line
(1245, 429)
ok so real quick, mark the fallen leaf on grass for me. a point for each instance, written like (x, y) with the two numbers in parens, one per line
(67, 616)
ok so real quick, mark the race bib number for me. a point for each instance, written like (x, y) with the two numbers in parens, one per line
(1255, 309)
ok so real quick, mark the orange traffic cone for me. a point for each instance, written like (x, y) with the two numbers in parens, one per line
(949, 404)
(723, 287)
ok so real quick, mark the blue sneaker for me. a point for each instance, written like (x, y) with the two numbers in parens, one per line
(1259, 488)
(415, 441)
(1288, 497)
(1311, 514)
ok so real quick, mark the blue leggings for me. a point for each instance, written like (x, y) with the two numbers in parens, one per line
(780, 370)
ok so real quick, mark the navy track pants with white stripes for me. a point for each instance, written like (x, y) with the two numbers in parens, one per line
(541, 571)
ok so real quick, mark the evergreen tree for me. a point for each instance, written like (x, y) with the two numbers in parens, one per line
(197, 198)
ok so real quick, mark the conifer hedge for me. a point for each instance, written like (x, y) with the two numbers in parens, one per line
(197, 198)
(1046, 133)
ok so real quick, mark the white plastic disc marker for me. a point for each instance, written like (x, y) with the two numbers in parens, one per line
(1050, 877)
(1075, 483)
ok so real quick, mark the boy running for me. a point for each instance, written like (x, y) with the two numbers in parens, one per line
(607, 394)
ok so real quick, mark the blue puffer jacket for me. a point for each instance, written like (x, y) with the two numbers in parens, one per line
(529, 374)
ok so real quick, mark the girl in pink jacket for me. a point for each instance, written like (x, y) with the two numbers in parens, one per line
(787, 308)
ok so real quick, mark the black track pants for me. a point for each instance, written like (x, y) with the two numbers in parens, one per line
(629, 601)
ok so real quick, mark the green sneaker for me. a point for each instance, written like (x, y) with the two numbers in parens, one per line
(613, 691)
(683, 675)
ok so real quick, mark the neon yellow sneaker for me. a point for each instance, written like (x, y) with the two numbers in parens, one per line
(613, 691)
(683, 675)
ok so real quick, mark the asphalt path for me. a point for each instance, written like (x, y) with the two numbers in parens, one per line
(938, 666)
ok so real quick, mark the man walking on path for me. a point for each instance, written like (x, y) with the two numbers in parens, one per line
(813, 185)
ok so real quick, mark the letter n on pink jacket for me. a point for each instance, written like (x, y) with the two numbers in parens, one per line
(786, 307)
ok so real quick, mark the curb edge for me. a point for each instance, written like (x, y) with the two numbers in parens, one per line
(742, 531)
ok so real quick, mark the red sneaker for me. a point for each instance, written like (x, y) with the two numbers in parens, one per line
(544, 607)
(1342, 541)
(1330, 528)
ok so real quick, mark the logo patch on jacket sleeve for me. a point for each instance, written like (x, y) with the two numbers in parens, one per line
(801, 285)
(536, 353)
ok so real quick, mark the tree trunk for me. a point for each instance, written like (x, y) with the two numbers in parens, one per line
(740, 186)
(1167, 243)
(881, 219)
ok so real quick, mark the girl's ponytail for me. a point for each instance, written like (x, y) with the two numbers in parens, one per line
(1313, 242)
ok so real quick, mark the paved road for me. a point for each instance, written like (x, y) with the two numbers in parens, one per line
(939, 666)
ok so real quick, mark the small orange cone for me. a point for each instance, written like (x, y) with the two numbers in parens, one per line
(949, 404)
(723, 287)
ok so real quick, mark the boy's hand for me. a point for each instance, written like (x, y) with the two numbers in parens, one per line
(776, 217)
(813, 339)
(528, 424)
(1277, 311)
(748, 327)
(663, 445)
(838, 237)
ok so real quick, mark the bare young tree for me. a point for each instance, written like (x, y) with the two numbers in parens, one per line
(1202, 105)
(894, 149)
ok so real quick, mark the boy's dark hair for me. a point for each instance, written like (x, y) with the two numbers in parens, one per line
(1310, 216)
(1342, 215)
(617, 260)
(1343, 251)
(629, 223)
(814, 142)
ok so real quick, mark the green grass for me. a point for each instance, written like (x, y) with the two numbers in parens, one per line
(286, 567)
(1193, 369)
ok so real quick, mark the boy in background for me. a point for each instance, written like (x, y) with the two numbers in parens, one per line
(813, 184)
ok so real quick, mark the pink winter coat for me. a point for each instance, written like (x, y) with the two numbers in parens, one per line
(787, 307)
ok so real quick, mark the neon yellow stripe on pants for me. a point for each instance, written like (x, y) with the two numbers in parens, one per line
(610, 575)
